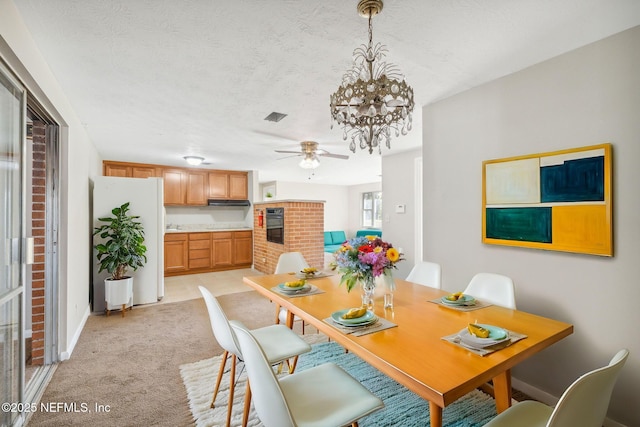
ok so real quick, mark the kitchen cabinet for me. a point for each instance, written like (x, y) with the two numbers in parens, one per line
(129, 170)
(176, 252)
(186, 186)
(199, 250)
(196, 188)
(222, 254)
(228, 185)
(243, 248)
(175, 184)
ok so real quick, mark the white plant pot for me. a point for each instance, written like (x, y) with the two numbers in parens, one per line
(118, 293)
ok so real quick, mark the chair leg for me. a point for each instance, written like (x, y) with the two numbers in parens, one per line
(247, 405)
(223, 362)
(292, 365)
(232, 386)
(354, 424)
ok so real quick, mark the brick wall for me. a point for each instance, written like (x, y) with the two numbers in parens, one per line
(38, 203)
(303, 232)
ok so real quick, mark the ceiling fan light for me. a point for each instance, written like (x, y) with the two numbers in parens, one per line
(309, 162)
(194, 160)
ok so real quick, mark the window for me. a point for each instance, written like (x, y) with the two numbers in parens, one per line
(372, 209)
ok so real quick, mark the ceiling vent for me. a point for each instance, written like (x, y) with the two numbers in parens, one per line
(275, 117)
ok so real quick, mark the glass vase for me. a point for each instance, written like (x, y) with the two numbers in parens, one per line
(389, 287)
(368, 288)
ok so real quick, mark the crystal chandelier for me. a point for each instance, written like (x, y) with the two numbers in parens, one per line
(373, 99)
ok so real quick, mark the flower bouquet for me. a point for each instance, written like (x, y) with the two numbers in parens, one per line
(362, 259)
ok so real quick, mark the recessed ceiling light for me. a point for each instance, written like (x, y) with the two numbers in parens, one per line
(275, 117)
(194, 160)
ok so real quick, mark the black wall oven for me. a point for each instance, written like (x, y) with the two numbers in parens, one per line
(275, 225)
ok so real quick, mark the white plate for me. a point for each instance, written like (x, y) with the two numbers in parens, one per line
(496, 335)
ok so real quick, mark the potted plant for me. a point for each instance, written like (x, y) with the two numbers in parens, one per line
(122, 248)
(268, 196)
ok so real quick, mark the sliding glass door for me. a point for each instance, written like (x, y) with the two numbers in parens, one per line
(12, 248)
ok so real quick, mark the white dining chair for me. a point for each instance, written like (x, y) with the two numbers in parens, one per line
(324, 395)
(426, 273)
(289, 262)
(583, 404)
(494, 288)
(279, 343)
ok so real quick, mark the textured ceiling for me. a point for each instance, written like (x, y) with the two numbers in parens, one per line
(154, 80)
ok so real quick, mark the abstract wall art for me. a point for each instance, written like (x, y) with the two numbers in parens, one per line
(559, 201)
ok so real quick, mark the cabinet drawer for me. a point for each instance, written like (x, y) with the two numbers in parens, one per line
(199, 253)
(175, 237)
(221, 235)
(200, 263)
(242, 234)
(199, 236)
(200, 244)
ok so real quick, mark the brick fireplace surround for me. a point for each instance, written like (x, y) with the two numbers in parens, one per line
(303, 232)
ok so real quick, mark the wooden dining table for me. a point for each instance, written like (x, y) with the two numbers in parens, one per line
(414, 352)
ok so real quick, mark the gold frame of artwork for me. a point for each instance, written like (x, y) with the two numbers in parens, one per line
(558, 201)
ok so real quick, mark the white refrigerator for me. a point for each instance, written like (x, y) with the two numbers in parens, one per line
(145, 197)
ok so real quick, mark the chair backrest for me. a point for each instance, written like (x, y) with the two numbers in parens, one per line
(290, 262)
(268, 400)
(426, 273)
(220, 324)
(494, 288)
(586, 401)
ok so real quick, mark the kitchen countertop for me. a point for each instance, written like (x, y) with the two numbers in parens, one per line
(205, 230)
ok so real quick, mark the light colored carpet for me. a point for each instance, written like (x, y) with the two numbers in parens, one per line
(403, 408)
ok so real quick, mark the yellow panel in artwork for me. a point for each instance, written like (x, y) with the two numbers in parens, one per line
(582, 228)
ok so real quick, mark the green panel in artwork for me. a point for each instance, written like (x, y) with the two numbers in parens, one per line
(522, 224)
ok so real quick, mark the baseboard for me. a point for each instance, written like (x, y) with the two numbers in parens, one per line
(549, 399)
(65, 355)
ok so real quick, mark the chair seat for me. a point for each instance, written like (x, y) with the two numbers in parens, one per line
(529, 413)
(279, 342)
(316, 397)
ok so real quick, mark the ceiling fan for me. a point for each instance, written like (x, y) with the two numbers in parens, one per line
(311, 153)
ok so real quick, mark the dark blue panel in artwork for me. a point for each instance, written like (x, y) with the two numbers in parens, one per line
(577, 180)
(522, 224)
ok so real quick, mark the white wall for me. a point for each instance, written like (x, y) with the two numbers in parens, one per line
(79, 161)
(398, 187)
(334, 196)
(585, 97)
(354, 206)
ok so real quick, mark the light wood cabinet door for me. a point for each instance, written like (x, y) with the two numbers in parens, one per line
(238, 186)
(143, 172)
(218, 185)
(114, 169)
(222, 250)
(176, 250)
(242, 248)
(174, 187)
(196, 184)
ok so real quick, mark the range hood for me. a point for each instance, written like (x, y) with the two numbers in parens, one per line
(224, 202)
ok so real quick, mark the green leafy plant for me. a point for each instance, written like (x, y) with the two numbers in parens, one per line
(124, 246)
(268, 194)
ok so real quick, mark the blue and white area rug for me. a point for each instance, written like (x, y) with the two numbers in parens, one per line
(402, 407)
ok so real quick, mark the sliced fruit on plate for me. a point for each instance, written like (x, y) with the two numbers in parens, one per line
(355, 313)
(295, 283)
(454, 297)
(478, 330)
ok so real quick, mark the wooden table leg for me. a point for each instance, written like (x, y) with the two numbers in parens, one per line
(435, 413)
(502, 390)
(289, 319)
